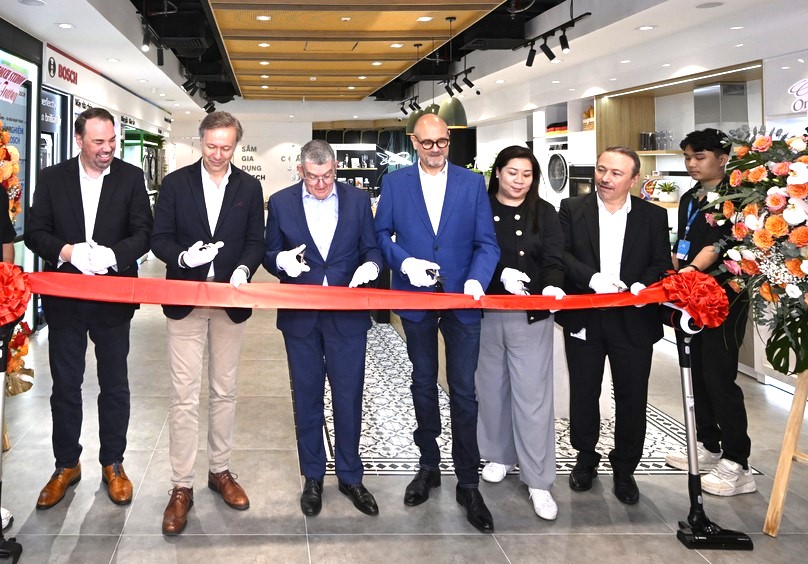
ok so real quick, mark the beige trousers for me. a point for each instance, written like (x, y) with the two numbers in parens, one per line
(186, 348)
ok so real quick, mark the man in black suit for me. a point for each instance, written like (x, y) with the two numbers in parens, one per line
(208, 225)
(612, 242)
(90, 216)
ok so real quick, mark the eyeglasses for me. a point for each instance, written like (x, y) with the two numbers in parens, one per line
(427, 144)
(326, 178)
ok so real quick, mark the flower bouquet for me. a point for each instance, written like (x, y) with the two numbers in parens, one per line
(19, 379)
(766, 200)
(9, 169)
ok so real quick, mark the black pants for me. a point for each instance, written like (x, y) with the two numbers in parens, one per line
(67, 346)
(607, 336)
(720, 412)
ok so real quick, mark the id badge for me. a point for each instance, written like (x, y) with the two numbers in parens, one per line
(682, 249)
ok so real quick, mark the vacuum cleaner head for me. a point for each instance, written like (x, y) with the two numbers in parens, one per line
(712, 537)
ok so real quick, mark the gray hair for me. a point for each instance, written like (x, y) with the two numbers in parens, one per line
(628, 153)
(317, 152)
(219, 120)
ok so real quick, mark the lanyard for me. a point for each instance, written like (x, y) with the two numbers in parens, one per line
(691, 213)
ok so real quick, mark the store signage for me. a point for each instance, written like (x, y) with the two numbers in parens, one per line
(50, 115)
(800, 92)
(248, 163)
(10, 81)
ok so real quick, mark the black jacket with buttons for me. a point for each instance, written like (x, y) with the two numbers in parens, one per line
(538, 254)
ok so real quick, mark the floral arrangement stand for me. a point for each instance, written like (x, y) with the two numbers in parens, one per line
(766, 201)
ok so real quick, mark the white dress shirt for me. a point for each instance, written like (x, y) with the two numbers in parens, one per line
(321, 218)
(90, 196)
(612, 228)
(214, 196)
(433, 187)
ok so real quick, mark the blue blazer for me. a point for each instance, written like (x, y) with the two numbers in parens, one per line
(354, 243)
(181, 219)
(465, 245)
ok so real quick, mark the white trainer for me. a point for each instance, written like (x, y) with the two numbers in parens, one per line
(728, 478)
(543, 504)
(495, 472)
(8, 518)
(707, 459)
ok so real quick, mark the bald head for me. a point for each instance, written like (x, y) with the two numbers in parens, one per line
(429, 132)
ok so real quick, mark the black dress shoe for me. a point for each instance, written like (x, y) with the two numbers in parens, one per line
(581, 477)
(625, 488)
(362, 499)
(417, 491)
(476, 511)
(311, 500)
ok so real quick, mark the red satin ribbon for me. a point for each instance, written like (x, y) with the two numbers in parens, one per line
(300, 296)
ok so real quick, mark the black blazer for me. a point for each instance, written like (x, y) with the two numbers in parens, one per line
(181, 219)
(123, 223)
(646, 257)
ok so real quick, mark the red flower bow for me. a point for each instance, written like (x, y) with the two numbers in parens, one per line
(700, 295)
(14, 293)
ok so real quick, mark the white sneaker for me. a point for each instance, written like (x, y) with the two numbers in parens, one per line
(495, 472)
(728, 478)
(8, 518)
(707, 459)
(543, 504)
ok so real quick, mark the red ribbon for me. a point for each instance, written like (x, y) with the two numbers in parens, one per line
(15, 292)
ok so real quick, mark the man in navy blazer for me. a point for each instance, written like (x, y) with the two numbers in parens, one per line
(208, 226)
(441, 219)
(320, 232)
(90, 216)
(612, 242)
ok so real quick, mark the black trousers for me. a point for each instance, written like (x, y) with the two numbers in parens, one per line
(607, 336)
(67, 346)
(721, 421)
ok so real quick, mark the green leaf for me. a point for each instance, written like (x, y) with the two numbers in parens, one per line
(788, 335)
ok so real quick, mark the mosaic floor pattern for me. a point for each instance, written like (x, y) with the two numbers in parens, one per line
(386, 445)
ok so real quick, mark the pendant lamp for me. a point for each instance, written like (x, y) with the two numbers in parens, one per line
(430, 109)
(453, 113)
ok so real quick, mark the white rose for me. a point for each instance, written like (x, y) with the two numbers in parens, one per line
(734, 254)
(720, 222)
(712, 197)
(796, 144)
(793, 291)
(793, 214)
(753, 222)
(748, 255)
(777, 190)
(798, 173)
(804, 266)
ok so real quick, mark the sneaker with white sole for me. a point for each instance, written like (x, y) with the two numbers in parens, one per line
(494, 472)
(728, 478)
(7, 517)
(543, 504)
(707, 459)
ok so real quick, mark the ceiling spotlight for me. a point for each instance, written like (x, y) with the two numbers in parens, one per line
(456, 86)
(144, 46)
(565, 44)
(188, 84)
(416, 104)
(448, 87)
(547, 51)
(193, 89)
(403, 109)
(160, 56)
(468, 81)
(209, 107)
(531, 56)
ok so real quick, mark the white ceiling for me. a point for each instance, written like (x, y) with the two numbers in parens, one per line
(686, 37)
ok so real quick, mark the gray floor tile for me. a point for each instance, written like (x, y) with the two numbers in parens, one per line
(67, 548)
(203, 548)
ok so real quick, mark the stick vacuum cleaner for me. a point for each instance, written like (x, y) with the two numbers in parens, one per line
(10, 549)
(698, 532)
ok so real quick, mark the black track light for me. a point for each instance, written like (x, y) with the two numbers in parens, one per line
(468, 81)
(209, 107)
(403, 109)
(456, 86)
(144, 46)
(448, 88)
(193, 89)
(160, 56)
(187, 84)
(565, 44)
(416, 104)
(412, 104)
(547, 51)
(531, 56)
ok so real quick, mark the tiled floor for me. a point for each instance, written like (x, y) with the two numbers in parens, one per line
(591, 526)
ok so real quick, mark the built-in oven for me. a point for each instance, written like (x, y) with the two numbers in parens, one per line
(581, 180)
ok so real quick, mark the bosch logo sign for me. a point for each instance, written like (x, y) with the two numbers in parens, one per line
(51, 67)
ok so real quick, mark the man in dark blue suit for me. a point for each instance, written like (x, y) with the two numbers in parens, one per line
(331, 225)
(441, 218)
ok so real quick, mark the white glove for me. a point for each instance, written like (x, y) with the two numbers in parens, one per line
(473, 288)
(239, 276)
(514, 281)
(199, 254)
(416, 270)
(101, 258)
(636, 288)
(80, 258)
(367, 272)
(603, 284)
(287, 261)
(554, 291)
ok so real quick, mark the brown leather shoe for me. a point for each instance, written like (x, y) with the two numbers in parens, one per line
(175, 517)
(118, 484)
(55, 489)
(233, 494)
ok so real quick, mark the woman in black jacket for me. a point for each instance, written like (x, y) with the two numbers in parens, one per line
(514, 377)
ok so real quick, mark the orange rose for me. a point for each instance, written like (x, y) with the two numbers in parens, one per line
(762, 144)
(728, 209)
(735, 178)
(757, 174)
(763, 239)
(768, 295)
(776, 202)
(3, 154)
(750, 267)
(799, 236)
(780, 169)
(777, 225)
(742, 151)
(799, 191)
(735, 286)
(793, 266)
(5, 137)
(740, 231)
(751, 209)
(802, 159)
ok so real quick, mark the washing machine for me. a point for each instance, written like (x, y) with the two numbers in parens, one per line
(554, 182)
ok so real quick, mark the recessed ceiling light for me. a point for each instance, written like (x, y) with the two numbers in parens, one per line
(264, 63)
(396, 45)
(785, 68)
(352, 88)
(264, 76)
(263, 18)
(162, 94)
(263, 44)
(113, 60)
(500, 81)
(800, 60)
(187, 112)
(291, 116)
(65, 25)
(33, 2)
(376, 63)
(736, 27)
(645, 28)
(625, 61)
(739, 44)
(362, 77)
(556, 82)
(264, 86)
(345, 18)
(356, 117)
(556, 60)
(612, 79)
(707, 5)
(424, 19)
(313, 78)
(665, 65)
(177, 105)
(143, 81)
(572, 89)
